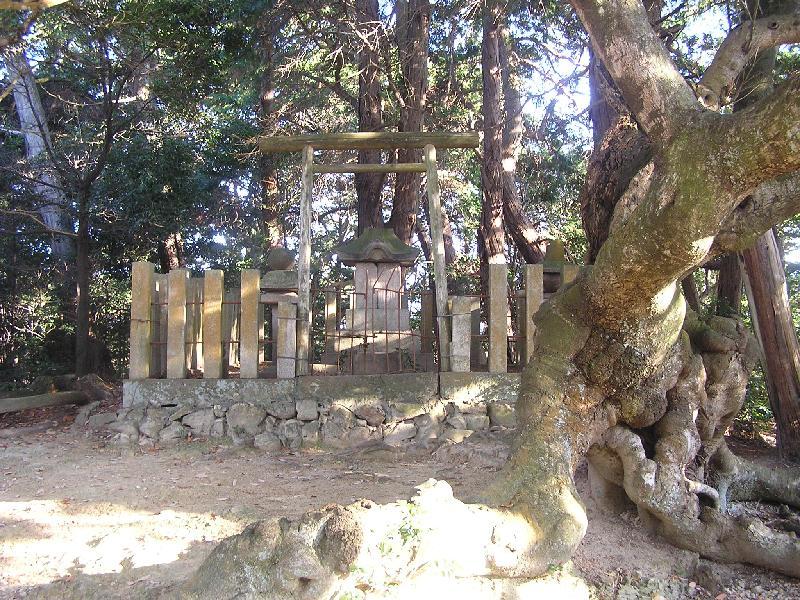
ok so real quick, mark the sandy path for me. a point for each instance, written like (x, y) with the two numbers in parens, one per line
(83, 519)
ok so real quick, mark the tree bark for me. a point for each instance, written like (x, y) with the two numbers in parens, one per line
(413, 24)
(170, 253)
(33, 124)
(780, 350)
(370, 113)
(271, 212)
(83, 264)
(729, 286)
(492, 231)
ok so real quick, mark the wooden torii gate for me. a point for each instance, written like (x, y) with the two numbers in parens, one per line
(428, 141)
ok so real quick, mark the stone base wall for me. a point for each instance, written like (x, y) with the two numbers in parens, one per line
(337, 412)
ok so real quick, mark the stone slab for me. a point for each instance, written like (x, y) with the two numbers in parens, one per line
(473, 388)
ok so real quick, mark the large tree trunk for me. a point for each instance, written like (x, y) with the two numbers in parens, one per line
(522, 230)
(772, 319)
(33, 124)
(729, 286)
(370, 113)
(413, 23)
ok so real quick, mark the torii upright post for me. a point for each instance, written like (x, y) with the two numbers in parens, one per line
(304, 262)
(437, 247)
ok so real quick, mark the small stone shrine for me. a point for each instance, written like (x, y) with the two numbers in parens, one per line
(378, 314)
(379, 301)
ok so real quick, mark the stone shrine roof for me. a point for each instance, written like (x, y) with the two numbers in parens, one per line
(377, 245)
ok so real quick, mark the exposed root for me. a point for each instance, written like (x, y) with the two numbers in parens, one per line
(371, 548)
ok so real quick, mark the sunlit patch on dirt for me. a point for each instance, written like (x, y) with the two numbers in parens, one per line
(63, 539)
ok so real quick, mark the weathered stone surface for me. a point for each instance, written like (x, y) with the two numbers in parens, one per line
(82, 418)
(204, 393)
(336, 426)
(457, 421)
(359, 435)
(307, 409)
(477, 422)
(373, 414)
(456, 435)
(180, 411)
(126, 428)
(291, 434)
(97, 389)
(282, 408)
(428, 428)
(267, 441)
(400, 433)
(218, 428)
(175, 431)
(502, 414)
(479, 388)
(310, 433)
(219, 410)
(153, 422)
(101, 420)
(200, 422)
(244, 422)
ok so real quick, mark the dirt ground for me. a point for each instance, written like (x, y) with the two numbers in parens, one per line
(82, 518)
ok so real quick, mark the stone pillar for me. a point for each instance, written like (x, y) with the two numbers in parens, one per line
(477, 351)
(162, 282)
(176, 324)
(248, 323)
(426, 325)
(304, 263)
(498, 318)
(461, 324)
(568, 273)
(213, 292)
(331, 319)
(534, 296)
(142, 286)
(285, 357)
(437, 251)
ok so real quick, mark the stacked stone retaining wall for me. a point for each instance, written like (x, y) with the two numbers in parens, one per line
(336, 412)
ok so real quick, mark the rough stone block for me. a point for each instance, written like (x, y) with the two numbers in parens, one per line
(477, 422)
(456, 435)
(307, 410)
(218, 428)
(267, 441)
(291, 434)
(373, 414)
(282, 408)
(200, 422)
(502, 414)
(244, 422)
(175, 431)
(400, 433)
(475, 388)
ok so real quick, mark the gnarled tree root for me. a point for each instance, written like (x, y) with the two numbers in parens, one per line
(374, 548)
(672, 509)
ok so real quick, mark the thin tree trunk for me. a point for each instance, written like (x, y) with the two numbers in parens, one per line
(413, 22)
(267, 163)
(690, 292)
(170, 253)
(492, 233)
(729, 286)
(82, 260)
(370, 114)
(769, 303)
(522, 230)
(33, 124)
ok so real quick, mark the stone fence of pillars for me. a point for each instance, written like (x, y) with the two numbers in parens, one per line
(182, 326)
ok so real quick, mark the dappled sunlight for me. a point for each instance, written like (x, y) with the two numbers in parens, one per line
(42, 540)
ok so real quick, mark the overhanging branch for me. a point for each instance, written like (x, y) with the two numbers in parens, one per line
(740, 47)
